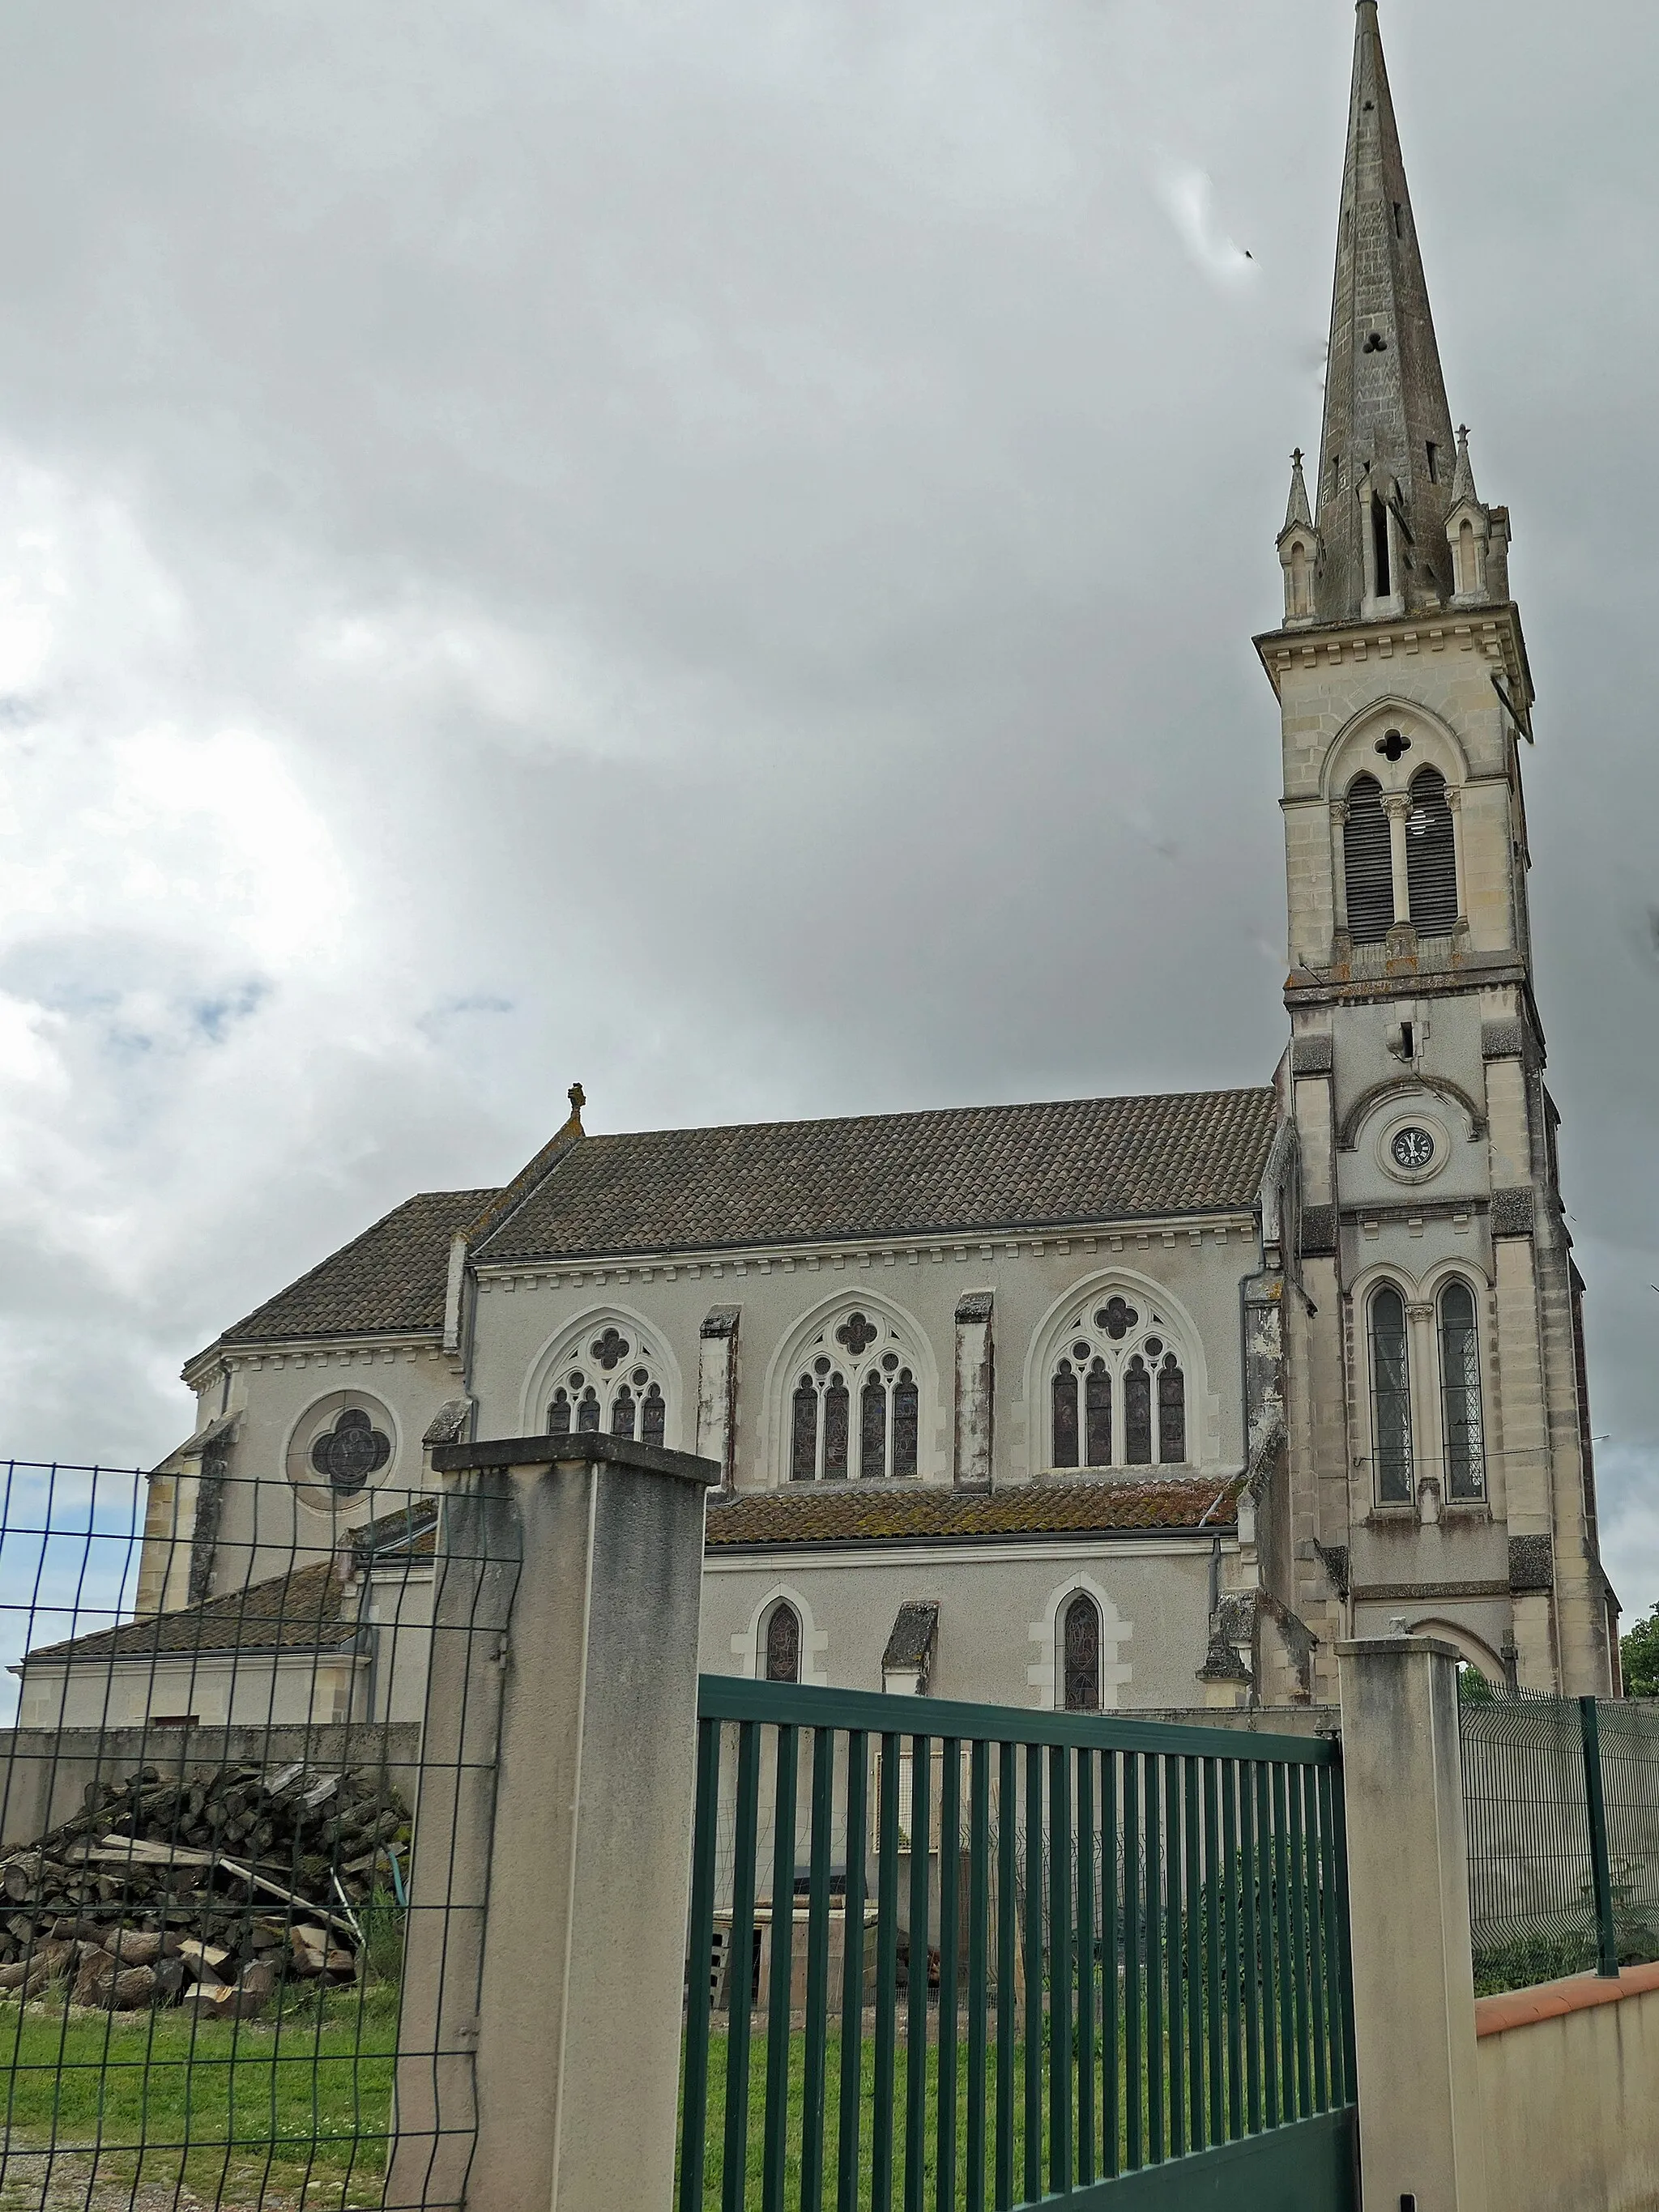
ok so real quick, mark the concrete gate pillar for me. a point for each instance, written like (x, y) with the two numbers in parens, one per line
(545, 1945)
(1421, 2146)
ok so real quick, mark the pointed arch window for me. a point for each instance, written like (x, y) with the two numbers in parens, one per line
(1391, 1401)
(783, 1644)
(1367, 863)
(855, 1406)
(610, 1382)
(1081, 1654)
(1459, 1394)
(1431, 856)
(1117, 1391)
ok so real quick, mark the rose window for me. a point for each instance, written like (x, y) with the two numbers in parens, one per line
(347, 1454)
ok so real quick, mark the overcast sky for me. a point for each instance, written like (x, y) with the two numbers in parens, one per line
(710, 546)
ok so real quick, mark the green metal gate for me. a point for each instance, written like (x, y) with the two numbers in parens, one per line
(947, 1955)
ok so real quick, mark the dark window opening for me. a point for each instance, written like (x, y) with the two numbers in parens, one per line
(1434, 462)
(907, 1423)
(804, 1449)
(1431, 856)
(653, 1416)
(1398, 219)
(1380, 546)
(1367, 863)
(837, 1408)
(1408, 1040)
(1097, 1414)
(1336, 476)
(873, 1440)
(1393, 745)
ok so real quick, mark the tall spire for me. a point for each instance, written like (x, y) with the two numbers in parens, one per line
(1388, 429)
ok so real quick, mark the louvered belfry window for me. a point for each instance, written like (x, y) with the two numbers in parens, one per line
(1367, 863)
(1431, 856)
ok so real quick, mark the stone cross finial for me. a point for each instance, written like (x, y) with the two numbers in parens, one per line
(577, 1098)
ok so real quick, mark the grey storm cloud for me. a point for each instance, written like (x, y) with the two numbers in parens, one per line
(713, 548)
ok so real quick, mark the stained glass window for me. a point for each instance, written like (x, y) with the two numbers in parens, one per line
(653, 1416)
(1081, 1638)
(872, 1428)
(907, 1423)
(1097, 1415)
(837, 1413)
(1391, 1401)
(558, 1414)
(1459, 1393)
(783, 1644)
(623, 1412)
(1138, 1414)
(1064, 1415)
(1171, 1413)
(587, 1412)
(348, 1453)
(803, 1444)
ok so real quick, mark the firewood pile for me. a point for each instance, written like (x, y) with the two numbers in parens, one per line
(213, 1892)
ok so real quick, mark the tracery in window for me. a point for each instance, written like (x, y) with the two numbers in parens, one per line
(348, 1453)
(783, 1644)
(1391, 1402)
(1080, 1652)
(1117, 1392)
(610, 1383)
(1367, 863)
(1459, 1394)
(861, 1357)
(1431, 856)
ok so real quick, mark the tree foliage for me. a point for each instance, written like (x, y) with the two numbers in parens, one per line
(1638, 1654)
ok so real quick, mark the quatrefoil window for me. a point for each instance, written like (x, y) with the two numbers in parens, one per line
(610, 1349)
(1117, 1317)
(857, 1334)
(348, 1453)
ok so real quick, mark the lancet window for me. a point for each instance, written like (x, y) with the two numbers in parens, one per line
(783, 1644)
(611, 1385)
(855, 1406)
(1459, 1394)
(1081, 1654)
(1117, 1388)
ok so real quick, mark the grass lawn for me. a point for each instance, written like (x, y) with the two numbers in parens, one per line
(287, 2112)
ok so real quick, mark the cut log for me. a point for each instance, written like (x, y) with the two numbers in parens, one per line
(133, 1989)
(134, 1947)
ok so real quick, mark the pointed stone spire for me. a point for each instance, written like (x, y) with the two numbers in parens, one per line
(1385, 399)
(1463, 480)
(1296, 509)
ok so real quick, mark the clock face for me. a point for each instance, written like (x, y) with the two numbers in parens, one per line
(1412, 1148)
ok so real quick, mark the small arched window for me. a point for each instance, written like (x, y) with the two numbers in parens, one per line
(1367, 863)
(1459, 1394)
(1391, 1401)
(1117, 1394)
(783, 1644)
(1081, 1654)
(1431, 856)
(855, 1409)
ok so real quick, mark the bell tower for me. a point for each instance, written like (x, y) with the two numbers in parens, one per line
(1440, 1460)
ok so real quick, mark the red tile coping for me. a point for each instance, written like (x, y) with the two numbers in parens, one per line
(1550, 2000)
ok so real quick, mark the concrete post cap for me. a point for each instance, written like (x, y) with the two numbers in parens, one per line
(587, 1450)
(1388, 1647)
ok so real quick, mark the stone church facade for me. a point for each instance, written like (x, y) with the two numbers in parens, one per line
(1133, 1402)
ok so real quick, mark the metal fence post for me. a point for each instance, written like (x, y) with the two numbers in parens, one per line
(571, 1994)
(1607, 1937)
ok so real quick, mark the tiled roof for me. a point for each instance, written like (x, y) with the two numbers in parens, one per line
(863, 1512)
(961, 1171)
(389, 1281)
(298, 1612)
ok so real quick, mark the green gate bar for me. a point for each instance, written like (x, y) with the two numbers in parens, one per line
(1125, 1977)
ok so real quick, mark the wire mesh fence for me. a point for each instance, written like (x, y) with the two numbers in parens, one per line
(1561, 1797)
(216, 1693)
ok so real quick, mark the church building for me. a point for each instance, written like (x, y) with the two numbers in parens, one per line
(1132, 1402)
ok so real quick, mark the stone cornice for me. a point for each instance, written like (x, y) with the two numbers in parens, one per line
(1493, 631)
